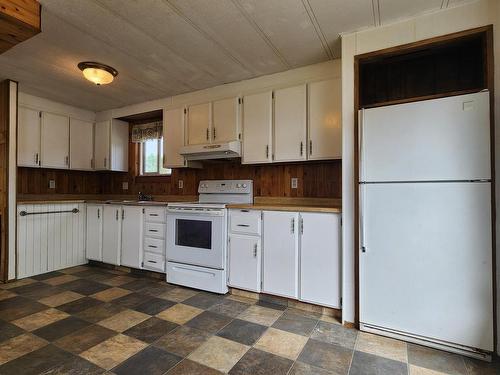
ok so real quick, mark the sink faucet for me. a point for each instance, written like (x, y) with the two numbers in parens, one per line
(144, 197)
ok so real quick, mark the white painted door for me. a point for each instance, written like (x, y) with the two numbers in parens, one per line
(29, 132)
(119, 145)
(281, 241)
(325, 128)
(290, 124)
(244, 262)
(173, 137)
(226, 120)
(94, 232)
(320, 276)
(81, 144)
(198, 124)
(132, 229)
(258, 128)
(111, 238)
(55, 141)
(102, 145)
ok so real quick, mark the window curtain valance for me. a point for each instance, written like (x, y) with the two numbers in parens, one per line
(145, 132)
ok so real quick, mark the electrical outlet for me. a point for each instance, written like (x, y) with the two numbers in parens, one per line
(52, 184)
(181, 184)
(295, 182)
(125, 185)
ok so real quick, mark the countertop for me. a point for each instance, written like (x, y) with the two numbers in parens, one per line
(330, 205)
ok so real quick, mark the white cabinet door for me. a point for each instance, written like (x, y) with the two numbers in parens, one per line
(28, 143)
(101, 145)
(111, 238)
(94, 232)
(81, 144)
(132, 224)
(119, 145)
(198, 124)
(173, 137)
(55, 141)
(257, 128)
(320, 259)
(244, 262)
(226, 120)
(325, 128)
(290, 128)
(281, 253)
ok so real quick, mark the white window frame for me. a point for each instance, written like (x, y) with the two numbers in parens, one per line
(160, 161)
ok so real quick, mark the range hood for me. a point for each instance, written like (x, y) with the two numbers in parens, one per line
(212, 151)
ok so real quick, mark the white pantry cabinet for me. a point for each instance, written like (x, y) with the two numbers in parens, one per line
(131, 237)
(290, 124)
(111, 145)
(199, 124)
(225, 120)
(111, 238)
(324, 120)
(258, 128)
(94, 232)
(28, 143)
(54, 141)
(81, 144)
(173, 138)
(281, 254)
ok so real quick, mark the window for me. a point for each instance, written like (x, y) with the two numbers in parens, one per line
(152, 158)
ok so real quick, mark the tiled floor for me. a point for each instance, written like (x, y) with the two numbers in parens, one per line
(88, 320)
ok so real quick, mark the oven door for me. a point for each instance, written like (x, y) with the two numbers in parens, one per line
(197, 238)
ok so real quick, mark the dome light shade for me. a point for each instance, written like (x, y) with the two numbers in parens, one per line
(97, 73)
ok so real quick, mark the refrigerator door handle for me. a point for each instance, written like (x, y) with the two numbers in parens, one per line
(361, 122)
(362, 236)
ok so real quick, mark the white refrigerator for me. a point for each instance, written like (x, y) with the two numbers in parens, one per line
(425, 256)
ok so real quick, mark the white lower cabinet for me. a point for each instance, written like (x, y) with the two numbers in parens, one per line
(154, 238)
(94, 232)
(244, 262)
(131, 236)
(111, 238)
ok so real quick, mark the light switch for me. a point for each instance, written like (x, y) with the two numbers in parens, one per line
(52, 184)
(295, 182)
(125, 185)
(181, 184)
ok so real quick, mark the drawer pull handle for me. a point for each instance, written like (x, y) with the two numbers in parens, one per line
(153, 214)
(243, 225)
(152, 261)
(154, 247)
(244, 210)
(153, 230)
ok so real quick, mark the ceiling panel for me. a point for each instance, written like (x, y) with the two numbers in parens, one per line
(391, 10)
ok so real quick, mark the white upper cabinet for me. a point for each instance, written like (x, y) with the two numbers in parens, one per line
(81, 142)
(225, 120)
(173, 137)
(325, 128)
(257, 128)
(55, 141)
(111, 145)
(290, 124)
(198, 124)
(28, 143)
(101, 145)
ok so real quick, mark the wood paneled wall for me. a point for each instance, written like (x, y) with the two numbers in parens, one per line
(4, 176)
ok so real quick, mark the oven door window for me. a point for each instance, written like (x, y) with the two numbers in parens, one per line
(193, 233)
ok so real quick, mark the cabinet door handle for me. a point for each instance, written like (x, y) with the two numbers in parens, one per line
(123, 214)
(98, 213)
(215, 134)
(301, 148)
(208, 134)
(116, 214)
(293, 226)
(105, 162)
(267, 151)
(36, 158)
(66, 160)
(301, 226)
(255, 251)
(310, 147)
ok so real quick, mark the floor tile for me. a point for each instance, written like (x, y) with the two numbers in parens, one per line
(151, 361)
(335, 334)
(219, 353)
(47, 275)
(260, 315)
(271, 305)
(179, 313)
(18, 307)
(330, 357)
(300, 368)
(61, 328)
(154, 306)
(435, 360)
(8, 331)
(209, 322)
(364, 363)
(282, 343)
(75, 366)
(157, 289)
(178, 294)
(59, 280)
(86, 287)
(203, 300)
(17, 283)
(382, 346)
(113, 351)
(76, 269)
(79, 305)
(151, 330)
(4, 294)
(110, 294)
(84, 338)
(117, 280)
(37, 362)
(40, 319)
(97, 313)
(19, 346)
(124, 320)
(36, 290)
(131, 300)
(139, 284)
(188, 367)
(295, 323)
(248, 301)
(330, 319)
(242, 331)
(182, 341)
(478, 367)
(229, 307)
(60, 298)
(257, 362)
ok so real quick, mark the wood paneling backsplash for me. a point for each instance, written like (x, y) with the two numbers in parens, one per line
(315, 180)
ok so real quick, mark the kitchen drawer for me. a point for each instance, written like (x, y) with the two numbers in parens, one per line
(154, 245)
(245, 221)
(155, 262)
(156, 230)
(155, 214)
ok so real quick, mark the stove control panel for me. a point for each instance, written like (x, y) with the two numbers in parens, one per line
(226, 187)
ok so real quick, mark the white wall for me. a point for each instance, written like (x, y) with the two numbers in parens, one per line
(470, 15)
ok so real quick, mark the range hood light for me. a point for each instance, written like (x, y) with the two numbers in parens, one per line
(97, 73)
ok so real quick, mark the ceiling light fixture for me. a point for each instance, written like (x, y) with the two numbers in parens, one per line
(98, 73)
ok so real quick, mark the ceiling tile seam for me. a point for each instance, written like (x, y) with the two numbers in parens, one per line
(379, 13)
(116, 15)
(262, 34)
(206, 35)
(376, 13)
(317, 28)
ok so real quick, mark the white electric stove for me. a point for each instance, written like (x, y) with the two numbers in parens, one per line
(197, 235)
